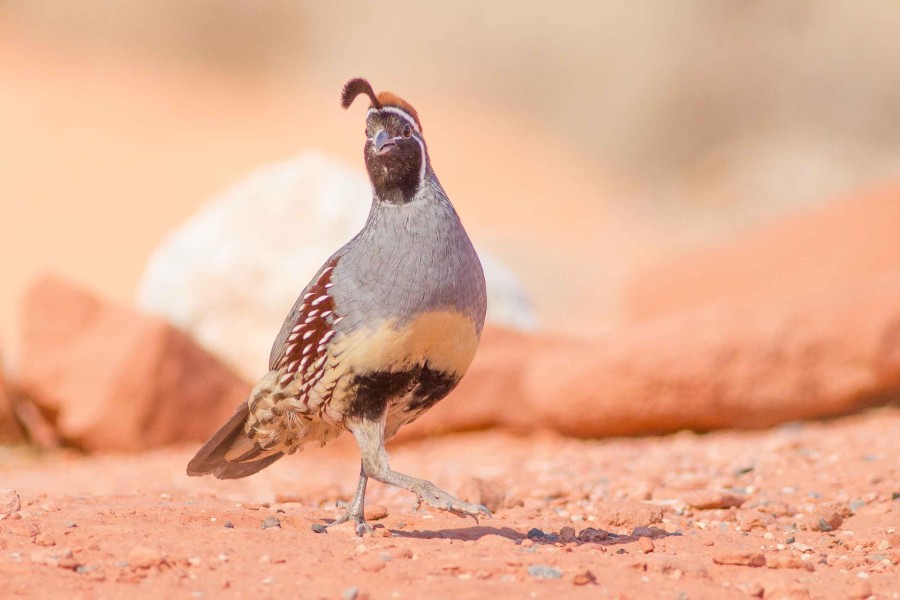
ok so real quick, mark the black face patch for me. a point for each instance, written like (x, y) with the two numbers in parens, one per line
(423, 387)
(395, 174)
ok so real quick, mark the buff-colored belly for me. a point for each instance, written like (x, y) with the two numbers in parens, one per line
(446, 340)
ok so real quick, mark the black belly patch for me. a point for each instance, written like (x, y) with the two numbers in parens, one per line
(423, 386)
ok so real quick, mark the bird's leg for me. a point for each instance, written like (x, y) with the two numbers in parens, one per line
(370, 437)
(354, 510)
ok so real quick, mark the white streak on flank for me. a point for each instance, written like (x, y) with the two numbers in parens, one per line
(290, 367)
(320, 300)
(308, 295)
(325, 314)
(319, 363)
(338, 320)
(328, 285)
(285, 378)
(293, 337)
(399, 112)
(313, 313)
(326, 271)
(307, 335)
(303, 363)
(309, 320)
(328, 335)
(307, 349)
(288, 349)
(297, 328)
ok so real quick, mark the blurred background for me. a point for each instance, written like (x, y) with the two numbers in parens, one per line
(637, 128)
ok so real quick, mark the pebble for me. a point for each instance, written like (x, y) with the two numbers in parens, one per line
(271, 522)
(142, 557)
(649, 532)
(318, 528)
(781, 561)
(376, 512)
(827, 522)
(567, 534)
(859, 589)
(710, 499)
(371, 563)
(535, 533)
(583, 577)
(527, 543)
(646, 545)
(544, 572)
(590, 534)
(351, 593)
(744, 559)
(9, 503)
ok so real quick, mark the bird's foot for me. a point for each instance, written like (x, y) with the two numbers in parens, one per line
(351, 513)
(435, 497)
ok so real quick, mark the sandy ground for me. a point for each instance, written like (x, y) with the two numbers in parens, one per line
(133, 526)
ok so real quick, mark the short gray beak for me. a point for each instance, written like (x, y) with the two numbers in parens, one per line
(382, 142)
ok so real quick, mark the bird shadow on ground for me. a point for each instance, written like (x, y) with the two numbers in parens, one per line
(479, 531)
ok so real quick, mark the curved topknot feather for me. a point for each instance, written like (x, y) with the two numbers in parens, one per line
(354, 88)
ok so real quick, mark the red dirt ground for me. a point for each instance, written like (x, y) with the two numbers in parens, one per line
(133, 526)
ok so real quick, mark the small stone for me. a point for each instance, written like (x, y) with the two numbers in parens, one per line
(9, 503)
(827, 522)
(649, 532)
(527, 543)
(710, 499)
(43, 539)
(781, 561)
(270, 523)
(142, 557)
(646, 545)
(753, 589)
(228, 525)
(535, 533)
(376, 512)
(583, 577)
(544, 572)
(744, 559)
(589, 534)
(268, 580)
(351, 593)
(386, 533)
(371, 563)
(318, 528)
(859, 589)
(566, 535)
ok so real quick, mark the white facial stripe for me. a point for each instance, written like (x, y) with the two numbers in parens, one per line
(400, 113)
(422, 166)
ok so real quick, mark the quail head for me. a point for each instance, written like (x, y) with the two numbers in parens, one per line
(384, 330)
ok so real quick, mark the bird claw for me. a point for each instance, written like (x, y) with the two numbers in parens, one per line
(362, 527)
(438, 498)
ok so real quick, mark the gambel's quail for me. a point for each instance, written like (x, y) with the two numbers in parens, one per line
(385, 329)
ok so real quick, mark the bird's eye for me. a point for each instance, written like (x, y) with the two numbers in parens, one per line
(407, 131)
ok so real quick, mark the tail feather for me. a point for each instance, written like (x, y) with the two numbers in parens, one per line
(212, 457)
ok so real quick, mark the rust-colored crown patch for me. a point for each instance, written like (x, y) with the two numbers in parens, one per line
(358, 85)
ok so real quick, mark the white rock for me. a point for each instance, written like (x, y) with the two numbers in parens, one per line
(231, 273)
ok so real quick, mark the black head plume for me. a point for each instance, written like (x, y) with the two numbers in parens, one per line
(354, 88)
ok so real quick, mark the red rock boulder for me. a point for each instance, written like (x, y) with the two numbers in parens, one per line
(847, 242)
(726, 366)
(10, 432)
(110, 378)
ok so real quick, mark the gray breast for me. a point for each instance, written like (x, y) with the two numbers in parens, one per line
(409, 259)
